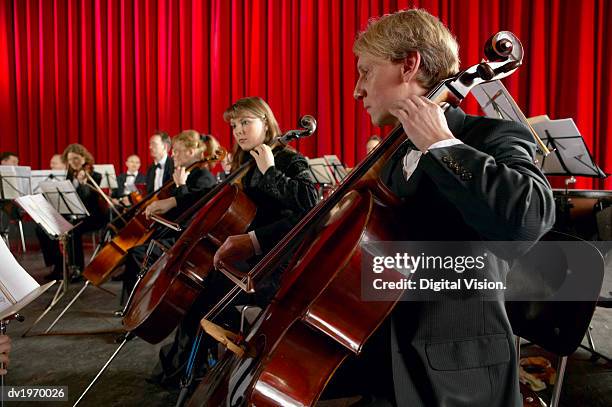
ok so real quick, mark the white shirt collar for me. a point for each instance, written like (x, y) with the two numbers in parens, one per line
(162, 162)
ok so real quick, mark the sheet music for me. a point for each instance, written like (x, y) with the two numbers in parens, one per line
(109, 177)
(496, 102)
(319, 171)
(336, 166)
(538, 119)
(15, 181)
(569, 144)
(43, 213)
(70, 204)
(15, 282)
(39, 176)
(560, 129)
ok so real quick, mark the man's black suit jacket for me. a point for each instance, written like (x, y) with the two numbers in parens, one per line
(140, 179)
(460, 352)
(168, 170)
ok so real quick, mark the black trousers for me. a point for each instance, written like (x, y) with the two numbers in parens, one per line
(74, 245)
(369, 375)
(137, 255)
(173, 357)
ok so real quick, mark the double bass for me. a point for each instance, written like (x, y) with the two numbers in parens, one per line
(137, 230)
(166, 291)
(317, 318)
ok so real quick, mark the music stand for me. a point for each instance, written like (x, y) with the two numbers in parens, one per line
(109, 180)
(57, 228)
(39, 176)
(498, 103)
(14, 182)
(64, 198)
(17, 289)
(570, 155)
(109, 177)
(336, 166)
(320, 174)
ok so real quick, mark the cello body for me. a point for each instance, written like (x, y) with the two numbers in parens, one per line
(305, 335)
(136, 231)
(169, 288)
(318, 317)
(174, 281)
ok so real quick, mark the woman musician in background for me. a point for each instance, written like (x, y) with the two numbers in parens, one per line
(86, 182)
(188, 148)
(279, 186)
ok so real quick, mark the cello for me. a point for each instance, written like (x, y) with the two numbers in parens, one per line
(317, 318)
(164, 293)
(137, 230)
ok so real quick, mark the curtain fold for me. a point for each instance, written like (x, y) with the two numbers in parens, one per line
(107, 73)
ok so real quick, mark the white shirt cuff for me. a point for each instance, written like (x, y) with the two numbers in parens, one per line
(445, 143)
(255, 243)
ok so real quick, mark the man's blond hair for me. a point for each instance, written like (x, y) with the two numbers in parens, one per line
(394, 36)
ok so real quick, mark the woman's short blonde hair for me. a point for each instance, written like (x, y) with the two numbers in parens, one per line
(190, 139)
(394, 36)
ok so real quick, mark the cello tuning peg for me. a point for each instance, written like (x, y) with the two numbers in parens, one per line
(485, 71)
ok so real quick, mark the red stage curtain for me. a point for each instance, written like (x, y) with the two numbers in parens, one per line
(107, 73)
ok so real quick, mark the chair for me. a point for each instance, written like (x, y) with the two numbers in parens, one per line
(559, 326)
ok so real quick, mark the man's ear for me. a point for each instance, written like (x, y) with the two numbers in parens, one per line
(410, 65)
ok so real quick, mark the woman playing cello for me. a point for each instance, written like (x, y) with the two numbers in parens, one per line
(187, 149)
(282, 191)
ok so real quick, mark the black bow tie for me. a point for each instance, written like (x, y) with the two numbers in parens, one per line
(158, 165)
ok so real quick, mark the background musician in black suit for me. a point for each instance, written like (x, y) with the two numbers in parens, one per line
(127, 181)
(162, 168)
(8, 158)
(461, 178)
